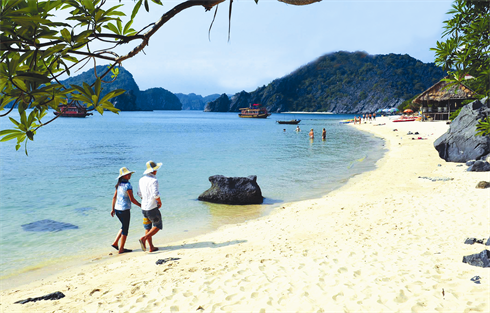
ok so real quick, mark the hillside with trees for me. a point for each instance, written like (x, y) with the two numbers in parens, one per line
(343, 82)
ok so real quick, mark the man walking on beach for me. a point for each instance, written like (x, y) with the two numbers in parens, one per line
(150, 205)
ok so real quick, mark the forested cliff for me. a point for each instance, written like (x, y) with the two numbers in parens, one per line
(341, 82)
(133, 99)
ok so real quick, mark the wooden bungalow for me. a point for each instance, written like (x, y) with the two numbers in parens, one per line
(440, 100)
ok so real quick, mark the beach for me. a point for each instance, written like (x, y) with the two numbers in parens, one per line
(389, 240)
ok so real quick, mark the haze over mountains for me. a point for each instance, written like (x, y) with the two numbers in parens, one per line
(340, 82)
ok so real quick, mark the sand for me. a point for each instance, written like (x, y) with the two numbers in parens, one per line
(390, 240)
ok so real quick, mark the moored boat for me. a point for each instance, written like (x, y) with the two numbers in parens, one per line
(254, 112)
(405, 119)
(72, 110)
(293, 122)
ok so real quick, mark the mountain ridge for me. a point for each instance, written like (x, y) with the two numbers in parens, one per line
(341, 82)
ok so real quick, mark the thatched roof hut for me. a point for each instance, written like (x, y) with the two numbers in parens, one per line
(441, 99)
(443, 91)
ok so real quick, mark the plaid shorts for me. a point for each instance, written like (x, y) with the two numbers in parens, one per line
(152, 217)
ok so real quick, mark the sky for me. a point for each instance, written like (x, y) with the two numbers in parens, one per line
(271, 39)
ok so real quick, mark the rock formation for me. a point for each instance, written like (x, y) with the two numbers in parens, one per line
(233, 190)
(460, 143)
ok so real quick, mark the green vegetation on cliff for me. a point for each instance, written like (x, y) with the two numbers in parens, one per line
(344, 82)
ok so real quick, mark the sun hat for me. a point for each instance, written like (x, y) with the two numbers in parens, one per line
(124, 171)
(152, 166)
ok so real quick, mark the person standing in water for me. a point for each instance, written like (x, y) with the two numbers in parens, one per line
(121, 205)
(312, 134)
(324, 134)
(150, 205)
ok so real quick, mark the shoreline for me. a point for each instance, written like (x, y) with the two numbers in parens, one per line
(386, 240)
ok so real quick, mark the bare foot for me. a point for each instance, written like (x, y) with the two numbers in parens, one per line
(124, 251)
(142, 244)
(153, 249)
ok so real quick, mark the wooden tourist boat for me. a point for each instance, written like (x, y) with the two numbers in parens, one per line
(293, 122)
(254, 112)
(72, 110)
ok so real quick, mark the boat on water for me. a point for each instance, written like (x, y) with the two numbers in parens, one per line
(254, 112)
(72, 110)
(292, 122)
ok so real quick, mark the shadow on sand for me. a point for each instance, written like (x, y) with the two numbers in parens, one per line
(200, 245)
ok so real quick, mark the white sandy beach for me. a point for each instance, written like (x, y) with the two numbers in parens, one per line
(387, 241)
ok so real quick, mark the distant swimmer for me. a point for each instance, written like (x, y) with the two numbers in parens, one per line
(312, 134)
(324, 134)
(298, 129)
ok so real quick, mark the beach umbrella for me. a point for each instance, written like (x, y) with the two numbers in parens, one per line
(379, 111)
(393, 110)
(408, 111)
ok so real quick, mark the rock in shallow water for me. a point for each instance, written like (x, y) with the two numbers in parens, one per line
(48, 225)
(233, 190)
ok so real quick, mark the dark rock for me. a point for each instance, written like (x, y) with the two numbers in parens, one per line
(488, 242)
(48, 225)
(233, 190)
(483, 185)
(52, 296)
(479, 166)
(480, 259)
(476, 279)
(162, 261)
(460, 143)
(470, 241)
(222, 104)
(470, 163)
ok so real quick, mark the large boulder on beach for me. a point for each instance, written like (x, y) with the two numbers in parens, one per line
(48, 225)
(460, 143)
(481, 259)
(233, 190)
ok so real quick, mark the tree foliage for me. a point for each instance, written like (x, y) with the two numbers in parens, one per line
(466, 50)
(36, 49)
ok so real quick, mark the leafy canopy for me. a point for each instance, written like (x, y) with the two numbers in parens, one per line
(466, 50)
(36, 49)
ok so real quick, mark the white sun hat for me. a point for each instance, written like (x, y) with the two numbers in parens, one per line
(124, 171)
(152, 166)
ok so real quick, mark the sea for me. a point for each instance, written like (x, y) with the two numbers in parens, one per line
(70, 173)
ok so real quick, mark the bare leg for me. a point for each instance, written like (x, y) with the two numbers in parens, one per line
(116, 241)
(123, 242)
(148, 237)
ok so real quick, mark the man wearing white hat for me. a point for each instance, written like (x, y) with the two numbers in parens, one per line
(150, 204)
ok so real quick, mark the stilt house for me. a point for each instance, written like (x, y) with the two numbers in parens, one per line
(440, 100)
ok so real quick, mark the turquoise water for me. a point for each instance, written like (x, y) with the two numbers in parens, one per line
(69, 175)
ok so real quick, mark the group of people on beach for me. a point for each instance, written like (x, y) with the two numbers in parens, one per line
(311, 134)
(365, 118)
(150, 206)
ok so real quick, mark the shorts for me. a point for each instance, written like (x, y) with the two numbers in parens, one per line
(124, 217)
(152, 217)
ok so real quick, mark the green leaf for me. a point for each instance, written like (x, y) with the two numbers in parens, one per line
(16, 135)
(65, 33)
(147, 6)
(100, 110)
(97, 86)
(14, 121)
(136, 9)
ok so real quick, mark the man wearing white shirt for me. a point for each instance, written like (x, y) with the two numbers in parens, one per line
(150, 205)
